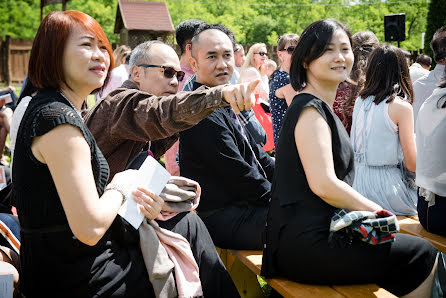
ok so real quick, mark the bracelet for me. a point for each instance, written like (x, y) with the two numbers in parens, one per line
(118, 188)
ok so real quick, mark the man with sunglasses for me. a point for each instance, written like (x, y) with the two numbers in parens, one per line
(146, 112)
(235, 174)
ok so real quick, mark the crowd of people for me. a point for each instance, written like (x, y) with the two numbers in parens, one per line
(262, 157)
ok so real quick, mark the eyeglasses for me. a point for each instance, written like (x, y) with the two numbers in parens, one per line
(262, 54)
(169, 72)
(290, 49)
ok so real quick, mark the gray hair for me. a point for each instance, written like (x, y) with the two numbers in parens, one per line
(141, 54)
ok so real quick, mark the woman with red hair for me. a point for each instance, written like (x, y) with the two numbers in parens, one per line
(73, 244)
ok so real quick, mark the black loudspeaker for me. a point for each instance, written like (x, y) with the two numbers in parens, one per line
(395, 27)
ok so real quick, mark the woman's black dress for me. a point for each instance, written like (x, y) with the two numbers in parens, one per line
(54, 263)
(296, 235)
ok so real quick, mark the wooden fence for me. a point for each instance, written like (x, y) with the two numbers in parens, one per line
(14, 57)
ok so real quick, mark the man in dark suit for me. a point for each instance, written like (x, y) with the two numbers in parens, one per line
(234, 172)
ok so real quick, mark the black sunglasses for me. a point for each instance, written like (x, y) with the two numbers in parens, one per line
(262, 54)
(290, 49)
(169, 71)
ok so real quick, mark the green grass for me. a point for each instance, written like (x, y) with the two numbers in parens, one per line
(266, 288)
(17, 86)
(91, 100)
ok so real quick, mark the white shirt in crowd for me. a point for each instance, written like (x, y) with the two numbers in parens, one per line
(15, 124)
(424, 86)
(431, 135)
(417, 71)
(118, 76)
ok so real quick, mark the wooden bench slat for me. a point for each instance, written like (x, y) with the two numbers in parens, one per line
(363, 291)
(253, 260)
(413, 227)
(288, 288)
(414, 217)
(438, 241)
(409, 226)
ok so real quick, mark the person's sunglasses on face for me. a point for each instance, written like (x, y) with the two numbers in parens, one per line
(262, 54)
(289, 50)
(169, 72)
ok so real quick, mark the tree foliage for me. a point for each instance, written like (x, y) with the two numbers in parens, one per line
(251, 21)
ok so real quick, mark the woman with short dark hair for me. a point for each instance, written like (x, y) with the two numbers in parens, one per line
(312, 178)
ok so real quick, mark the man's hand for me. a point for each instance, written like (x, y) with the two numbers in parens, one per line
(239, 95)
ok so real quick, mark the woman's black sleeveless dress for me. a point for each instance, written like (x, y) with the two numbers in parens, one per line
(296, 235)
(53, 262)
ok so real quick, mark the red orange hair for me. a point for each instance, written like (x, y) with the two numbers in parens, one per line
(46, 60)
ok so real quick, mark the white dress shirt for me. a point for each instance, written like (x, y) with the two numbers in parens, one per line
(417, 71)
(424, 86)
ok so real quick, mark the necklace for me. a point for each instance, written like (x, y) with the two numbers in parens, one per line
(71, 104)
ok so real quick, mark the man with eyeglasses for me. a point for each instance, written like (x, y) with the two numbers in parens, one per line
(146, 111)
(235, 174)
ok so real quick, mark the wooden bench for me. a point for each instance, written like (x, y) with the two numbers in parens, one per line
(411, 225)
(244, 266)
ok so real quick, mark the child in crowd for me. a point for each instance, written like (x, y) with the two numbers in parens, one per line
(314, 167)
(382, 133)
(271, 68)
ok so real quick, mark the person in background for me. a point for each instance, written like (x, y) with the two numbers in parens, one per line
(183, 34)
(420, 68)
(271, 68)
(363, 43)
(279, 79)
(119, 73)
(8, 100)
(382, 133)
(219, 148)
(424, 86)
(239, 59)
(120, 54)
(255, 68)
(431, 161)
(314, 167)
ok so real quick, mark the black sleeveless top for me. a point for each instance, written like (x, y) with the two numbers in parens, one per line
(292, 201)
(53, 261)
(296, 242)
